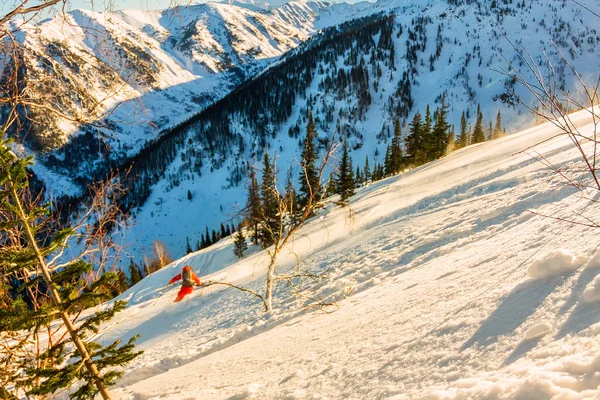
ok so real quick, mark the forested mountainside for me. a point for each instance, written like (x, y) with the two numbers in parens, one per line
(358, 78)
(133, 73)
(387, 63)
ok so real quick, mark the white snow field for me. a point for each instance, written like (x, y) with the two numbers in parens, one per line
(447, 284)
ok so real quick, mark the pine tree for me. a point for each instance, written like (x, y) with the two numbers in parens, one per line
(28, 250)
(207, 238)
(396, 152)
(345, 182)
(387, 162)
(309, 177)
(214, 237)
(122, 285)
(478, 133)
(188, 247)
(463, 138)
(414, 141)
(290, 197)
(498, 128)
(358, 179)
(223, 231)
(367, 173)
(269, 221)
(253, 206)
(440, 131)
(428, 141)
(134, 273)
(239, 243)
(203, 244)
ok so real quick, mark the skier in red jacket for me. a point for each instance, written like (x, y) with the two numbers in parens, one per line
(187, 286)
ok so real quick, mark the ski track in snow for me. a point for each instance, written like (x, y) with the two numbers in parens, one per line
(428, 271)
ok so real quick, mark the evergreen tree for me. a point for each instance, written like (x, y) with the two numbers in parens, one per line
(463, 137)
(396, 152)
(387, 162)
(134, 273)
(381, 171)
(290, 197)
(270, 204)
(203, 244)
(367, 173)
(28, 249)
(428, 142)
(227, 231)
(345, 182)
(309, 177)
(188, 247)
(358, 179)
(214, 238)
(414, 141)
(478, 133)
(223, 231)
(498, 127)
(239, 243)
(253, 206)
(490, 135)
(207, 238)
(440, 131)
(122, 285)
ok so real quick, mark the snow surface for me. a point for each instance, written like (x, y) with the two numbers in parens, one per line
(555, 263)
(428, 276)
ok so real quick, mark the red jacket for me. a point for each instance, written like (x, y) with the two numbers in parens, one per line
(179, 276)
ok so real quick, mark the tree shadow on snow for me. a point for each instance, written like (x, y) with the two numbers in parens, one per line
(513, 310)
(583, 315)
(522, 349)
(586, 276)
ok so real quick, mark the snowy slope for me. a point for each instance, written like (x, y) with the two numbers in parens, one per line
(467, 70)
(444, 284)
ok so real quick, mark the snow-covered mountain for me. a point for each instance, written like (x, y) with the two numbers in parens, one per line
(359, 76)
(358, 68)
(442, 283)
(146, 69)
(271, 4)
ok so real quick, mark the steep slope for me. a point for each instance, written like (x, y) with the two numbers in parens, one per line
(359, 77)
(445, 285)
(146, 70)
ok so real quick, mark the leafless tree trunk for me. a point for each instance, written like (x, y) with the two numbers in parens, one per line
(288, 224)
